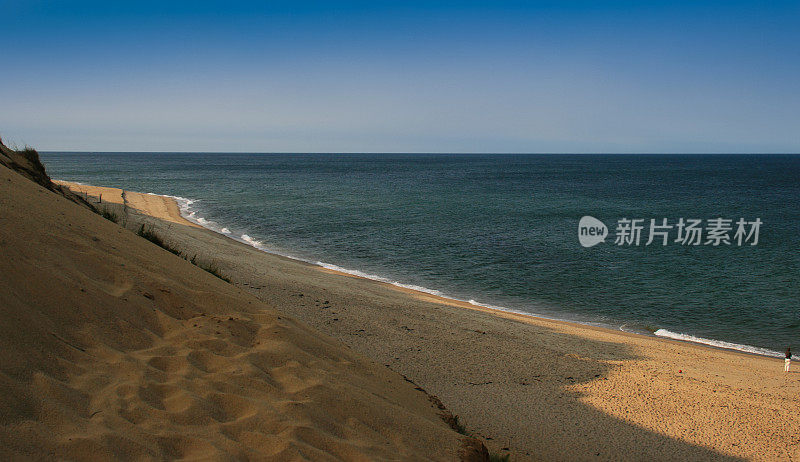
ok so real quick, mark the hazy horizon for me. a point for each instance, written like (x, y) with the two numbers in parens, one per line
(434, 153)
(414, 77)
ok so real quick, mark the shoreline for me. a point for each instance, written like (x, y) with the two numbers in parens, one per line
(181, 211)
(534, 388)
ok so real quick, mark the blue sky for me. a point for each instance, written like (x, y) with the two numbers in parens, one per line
(613, 76)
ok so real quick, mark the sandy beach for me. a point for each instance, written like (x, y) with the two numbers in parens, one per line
(533, 388)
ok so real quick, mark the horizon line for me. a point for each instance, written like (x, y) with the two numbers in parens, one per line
(416, 152)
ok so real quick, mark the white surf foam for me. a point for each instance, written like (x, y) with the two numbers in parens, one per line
(187, 212)
(718, 343)
(375, 277)
(254, 242)
(527, 313)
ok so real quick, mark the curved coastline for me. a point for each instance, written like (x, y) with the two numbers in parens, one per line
(505, 373)
(190, 214)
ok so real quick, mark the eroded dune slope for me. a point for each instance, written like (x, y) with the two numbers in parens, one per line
(111, 347)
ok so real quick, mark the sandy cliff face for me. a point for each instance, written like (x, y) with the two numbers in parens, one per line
(26, 162)
(111, 347)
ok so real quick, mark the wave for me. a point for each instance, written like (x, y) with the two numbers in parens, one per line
(185, 207)
(187, 210)
(375, 277)
(254, 242)
(717, 343)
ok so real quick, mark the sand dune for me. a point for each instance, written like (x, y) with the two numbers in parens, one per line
(113, 348)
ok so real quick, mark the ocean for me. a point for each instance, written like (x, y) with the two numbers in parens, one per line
(502, 231)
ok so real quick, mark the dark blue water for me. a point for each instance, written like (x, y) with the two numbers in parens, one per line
(502, 229)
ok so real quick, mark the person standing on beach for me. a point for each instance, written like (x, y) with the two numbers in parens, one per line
(788, 360)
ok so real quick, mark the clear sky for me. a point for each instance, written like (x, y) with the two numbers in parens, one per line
(372, 76)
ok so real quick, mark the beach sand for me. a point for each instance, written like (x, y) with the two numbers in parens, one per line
(533, 388)
(112, 348)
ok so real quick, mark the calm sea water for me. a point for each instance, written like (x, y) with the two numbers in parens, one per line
(502, 230)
